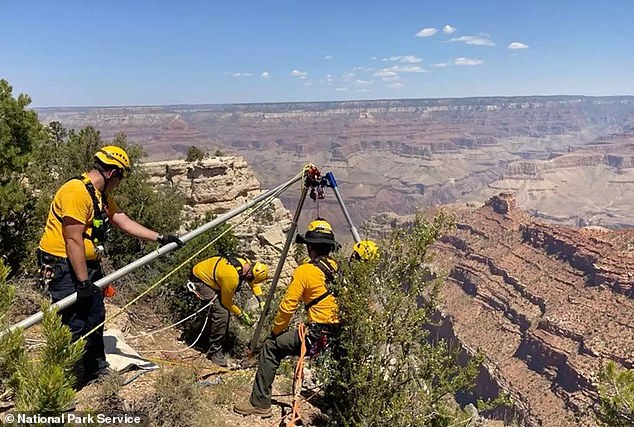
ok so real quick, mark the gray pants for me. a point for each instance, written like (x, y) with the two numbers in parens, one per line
(276, 349)
(219, 326)
(271, 355)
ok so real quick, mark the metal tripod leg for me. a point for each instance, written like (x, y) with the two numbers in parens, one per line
(332, 183)
(278, 270)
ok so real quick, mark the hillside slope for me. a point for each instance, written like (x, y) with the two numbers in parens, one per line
(546, 304)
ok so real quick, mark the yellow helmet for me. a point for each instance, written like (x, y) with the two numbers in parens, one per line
(260, 272)
(114, 156)
(318, 231)
(366, 250)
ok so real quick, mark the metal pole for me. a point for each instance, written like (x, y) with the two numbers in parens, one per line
(278, 270)
(332, 183)
(71, 299)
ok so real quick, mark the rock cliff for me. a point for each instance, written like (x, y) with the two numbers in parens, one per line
(546, 304)
(220, 184)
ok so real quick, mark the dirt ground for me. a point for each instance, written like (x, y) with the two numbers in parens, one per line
(220, 387)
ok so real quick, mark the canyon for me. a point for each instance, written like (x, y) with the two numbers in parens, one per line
(398, 155)
(546, 304)
(539, 266)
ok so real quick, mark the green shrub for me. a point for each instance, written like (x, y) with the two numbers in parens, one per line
(385, 371)
(194, 154)
(12, 344)
(20, 132)
(616, 396)
(45, 383)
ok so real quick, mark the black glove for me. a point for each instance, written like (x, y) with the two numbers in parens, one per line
(86, 289)
(164, 240)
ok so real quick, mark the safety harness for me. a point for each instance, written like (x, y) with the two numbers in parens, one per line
(100, 220)
(235, 263)
(329, 271)
(194, 280)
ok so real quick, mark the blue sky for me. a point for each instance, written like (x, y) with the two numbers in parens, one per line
(84, 53)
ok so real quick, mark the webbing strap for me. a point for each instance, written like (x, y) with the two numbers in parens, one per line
(318, 299)
(234, 262)
(323, 264)
(97, 212)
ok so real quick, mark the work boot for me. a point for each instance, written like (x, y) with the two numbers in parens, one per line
(246, 408)
(219, 359)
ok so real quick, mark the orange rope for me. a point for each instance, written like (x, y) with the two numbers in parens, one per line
(298, 378)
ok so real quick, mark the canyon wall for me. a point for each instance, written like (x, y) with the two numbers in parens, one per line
(546, 304)
(217, 185)
(398, 155)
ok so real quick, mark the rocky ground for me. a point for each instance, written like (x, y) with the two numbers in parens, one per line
(218, 388)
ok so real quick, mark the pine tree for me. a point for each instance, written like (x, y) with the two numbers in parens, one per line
(44, 383)
(12, 344)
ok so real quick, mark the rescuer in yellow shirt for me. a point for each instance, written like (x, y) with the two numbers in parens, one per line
(76, 229)
(217, 279)
(309, 285)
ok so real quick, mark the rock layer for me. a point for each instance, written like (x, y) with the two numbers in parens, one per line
(396, 155)
(546, 304)
(220, 184)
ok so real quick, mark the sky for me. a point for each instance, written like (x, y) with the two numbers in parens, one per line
(114, 53)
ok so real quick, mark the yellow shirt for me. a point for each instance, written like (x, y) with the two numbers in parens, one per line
(72, 200)
(225, 280)
(308, 283)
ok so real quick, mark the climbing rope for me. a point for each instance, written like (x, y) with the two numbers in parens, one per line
(200, 334)
(148, 334)
(298, 378)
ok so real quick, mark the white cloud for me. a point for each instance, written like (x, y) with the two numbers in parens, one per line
(385, 73)
(266, 74)
(300, 74)
(390, 78)
(474, 40)
(409, 59)
(448, 29)
(308, 84)
(467, 61)
(373, 58)
(405, 69)
(426, 32)
(360, 82)
(363, 90)
(239, 74)
(440, 64)
(517, 45)
(397, 85)
(347, 76)
(328, 57)
(341, 89)
(362, 68)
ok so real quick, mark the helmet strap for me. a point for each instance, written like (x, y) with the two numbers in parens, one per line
(105, 179)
